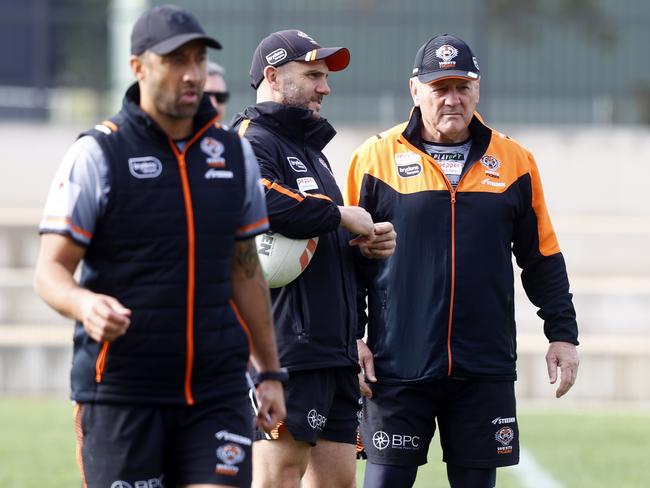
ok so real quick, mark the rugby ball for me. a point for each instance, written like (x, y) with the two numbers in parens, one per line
(282, 258)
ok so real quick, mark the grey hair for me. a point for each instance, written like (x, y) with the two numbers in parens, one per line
(216, 69)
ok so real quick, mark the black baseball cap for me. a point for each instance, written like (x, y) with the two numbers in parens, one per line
(445, 56)
(164, 28)
(293, 45)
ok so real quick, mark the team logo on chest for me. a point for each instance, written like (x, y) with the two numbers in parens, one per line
(490, 162)
(213, 149)
(408, 164)
(296, 165)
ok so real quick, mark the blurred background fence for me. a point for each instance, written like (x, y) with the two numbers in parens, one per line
(570, 79)
(543, 61)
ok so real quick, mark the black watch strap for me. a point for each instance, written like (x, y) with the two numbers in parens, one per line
(281, 375)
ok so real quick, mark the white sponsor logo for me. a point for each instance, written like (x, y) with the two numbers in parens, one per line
(489, 182)
(316, 420)
(408, 164)
(307, 183)
(380, 440)
(212, 174)
(229, 436)
(296, 165)
(475, 61)
(503, 420)
(150, 483)
(407, 158)
(409, 170)
(447, 52)
(145, 167)
(276, 56)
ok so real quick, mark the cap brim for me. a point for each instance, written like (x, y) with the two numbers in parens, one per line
(442, 75)
(173, 43)
(337, 58)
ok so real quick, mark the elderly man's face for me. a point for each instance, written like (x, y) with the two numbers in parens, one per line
(447, 108)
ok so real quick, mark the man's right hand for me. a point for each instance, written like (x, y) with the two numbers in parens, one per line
(367, 368)
(103, 317)
(358, 222)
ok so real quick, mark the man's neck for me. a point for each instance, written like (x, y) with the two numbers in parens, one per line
(432, 135)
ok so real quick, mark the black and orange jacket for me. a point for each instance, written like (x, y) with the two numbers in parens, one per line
(315, 315)
(163, 248)
(443, 304)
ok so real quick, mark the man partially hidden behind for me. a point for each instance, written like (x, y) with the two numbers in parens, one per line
(162, 208)
(315, 315)
(441, 329)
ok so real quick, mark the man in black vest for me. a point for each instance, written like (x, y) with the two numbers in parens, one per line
(162, 207)
(315, 315)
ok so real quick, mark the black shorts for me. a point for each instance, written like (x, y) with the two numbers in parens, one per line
(165, 446)
(323, 404)
(477, 422)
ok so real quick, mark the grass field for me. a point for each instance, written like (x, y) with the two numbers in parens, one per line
(579, 449)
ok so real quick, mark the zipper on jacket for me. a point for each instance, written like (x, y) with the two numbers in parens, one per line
(191, 258)
(452, 200)
(100, 364)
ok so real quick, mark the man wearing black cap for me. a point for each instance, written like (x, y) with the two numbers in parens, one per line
(441, 331)
(162, 206)
(314, 315)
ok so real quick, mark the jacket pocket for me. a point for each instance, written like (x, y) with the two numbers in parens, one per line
(301, 323)
(100, 363)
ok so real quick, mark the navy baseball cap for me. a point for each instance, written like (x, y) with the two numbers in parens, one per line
(445, 56)
(164, 28)
(293, 45)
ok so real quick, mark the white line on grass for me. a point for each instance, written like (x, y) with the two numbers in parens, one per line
(531, 474)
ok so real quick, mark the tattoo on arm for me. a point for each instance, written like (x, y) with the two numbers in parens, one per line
(246, 257)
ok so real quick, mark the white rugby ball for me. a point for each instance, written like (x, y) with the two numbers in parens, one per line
(282, 258)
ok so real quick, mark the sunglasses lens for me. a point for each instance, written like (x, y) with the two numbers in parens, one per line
(221, 97)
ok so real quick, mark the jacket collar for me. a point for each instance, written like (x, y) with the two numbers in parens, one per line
(131, 108)
(295, 123)
(479, 134)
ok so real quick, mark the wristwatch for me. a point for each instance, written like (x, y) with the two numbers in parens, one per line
(281, 375)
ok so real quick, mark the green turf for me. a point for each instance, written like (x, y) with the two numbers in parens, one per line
(37, 447)
(580, 449)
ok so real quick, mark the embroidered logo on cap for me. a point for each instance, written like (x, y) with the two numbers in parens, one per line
(274, 57)
(447, 52)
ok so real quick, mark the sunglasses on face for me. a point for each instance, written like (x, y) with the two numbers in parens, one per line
(221, 97)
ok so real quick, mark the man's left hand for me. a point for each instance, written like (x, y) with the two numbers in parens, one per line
(270, 397)
(565, 356)
(383, 244)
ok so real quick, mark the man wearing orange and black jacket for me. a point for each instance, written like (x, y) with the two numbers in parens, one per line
(441, 330)
(315, 315)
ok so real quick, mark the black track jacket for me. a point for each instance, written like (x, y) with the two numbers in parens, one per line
(315, 315)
